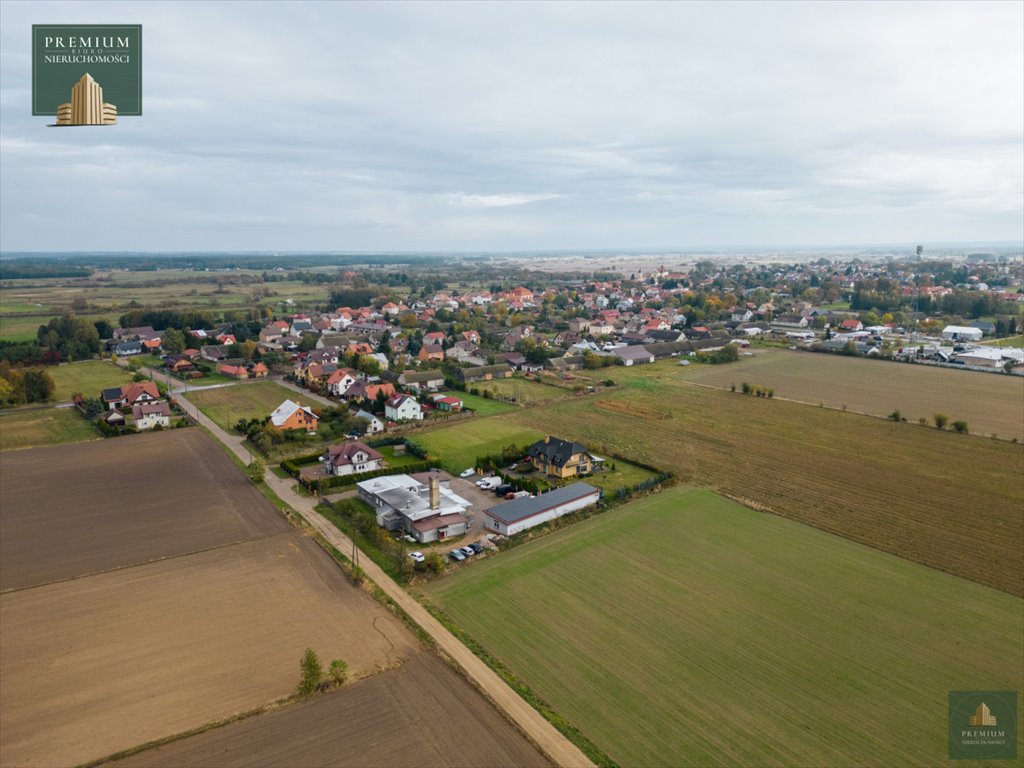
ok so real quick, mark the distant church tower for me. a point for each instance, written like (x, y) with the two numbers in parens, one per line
(86, 106)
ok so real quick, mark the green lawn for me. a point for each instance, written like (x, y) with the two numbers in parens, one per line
(458, 446)
(88, 377)
(684, 629)
(483, 406)
(48, 426)
(226, 405)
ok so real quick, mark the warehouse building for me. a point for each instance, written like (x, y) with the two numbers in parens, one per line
(517, 515)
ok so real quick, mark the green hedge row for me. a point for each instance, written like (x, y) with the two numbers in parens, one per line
(336, 481)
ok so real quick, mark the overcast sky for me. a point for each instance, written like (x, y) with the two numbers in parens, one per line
(462, 126)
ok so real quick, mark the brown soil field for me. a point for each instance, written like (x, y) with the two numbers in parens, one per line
(990, 403)
(96, 665)
(72, 510)
(199, 606)
(449, 724)
(946, 500)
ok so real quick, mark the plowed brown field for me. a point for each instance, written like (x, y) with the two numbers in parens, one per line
(100, 663)
(73, 510)
(448, 724)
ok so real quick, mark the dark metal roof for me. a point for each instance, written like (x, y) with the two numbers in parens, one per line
(519, 509)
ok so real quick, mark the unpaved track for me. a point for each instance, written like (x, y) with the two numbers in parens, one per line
(446, 725)
(547, 738)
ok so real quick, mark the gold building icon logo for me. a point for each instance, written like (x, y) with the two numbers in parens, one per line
(982, 716)
(86, 106)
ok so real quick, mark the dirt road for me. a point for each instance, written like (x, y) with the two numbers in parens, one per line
(547, 738)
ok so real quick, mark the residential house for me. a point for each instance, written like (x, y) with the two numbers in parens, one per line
(351, 458)
(560, 458)
(128, 348)
(420, 381)
(151, 414)
(403, 408)
(234, 371)
(213, 352)
(340, 380)
(130, 395)
(291, 415)
(373, 424)
(430, 352)
(364, 390)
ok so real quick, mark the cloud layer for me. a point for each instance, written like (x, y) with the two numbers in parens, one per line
(514, 126)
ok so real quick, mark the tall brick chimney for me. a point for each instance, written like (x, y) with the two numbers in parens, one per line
(435, 491)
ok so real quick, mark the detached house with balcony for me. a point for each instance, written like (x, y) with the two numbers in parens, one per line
(561, 458)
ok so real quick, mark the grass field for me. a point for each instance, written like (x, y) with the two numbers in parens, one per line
(684, 629)
(1009, 341)
(989, 403)
(460, 444)
(483, 406)
(226, 405)
(88, 377)
(524, 391)
(946, 500)
(44, 426)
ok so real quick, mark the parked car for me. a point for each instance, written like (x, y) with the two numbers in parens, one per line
(417, 557)
(477, 547)
(467, 472)
(512, 468)
(467, 551)
(456, 555)
(502, 489)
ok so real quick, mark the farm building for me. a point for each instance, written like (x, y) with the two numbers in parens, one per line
(484, 373)
(351, 458)
(427, 511)
(560, 458)
(635, 355)
(291, 415)
(517, 515)
(447, 402)
(961, 333)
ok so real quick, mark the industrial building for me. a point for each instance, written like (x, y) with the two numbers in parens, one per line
(517, 515)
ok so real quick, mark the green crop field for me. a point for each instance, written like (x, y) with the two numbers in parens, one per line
(46, 426)
(685, 629)
(947, 500)
(87, 377)
(990, 403)
(460, 444)
(226, 405)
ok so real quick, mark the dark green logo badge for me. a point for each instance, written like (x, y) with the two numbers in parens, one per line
(87, 74)
(982, 725)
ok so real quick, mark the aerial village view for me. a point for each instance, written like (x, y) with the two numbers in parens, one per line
(291, 491)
